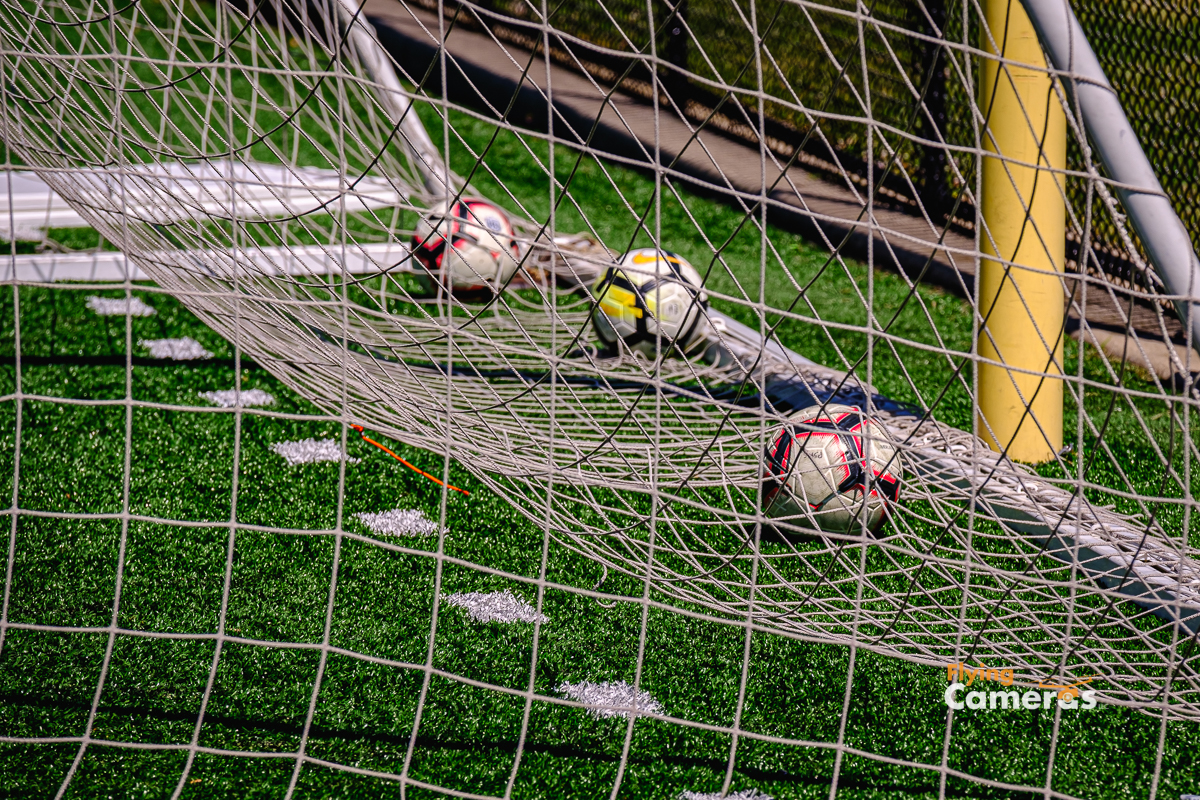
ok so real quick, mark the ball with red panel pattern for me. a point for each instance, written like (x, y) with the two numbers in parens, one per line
(831, 469)
(467, 247)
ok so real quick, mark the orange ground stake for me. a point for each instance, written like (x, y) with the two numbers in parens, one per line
(369, 440)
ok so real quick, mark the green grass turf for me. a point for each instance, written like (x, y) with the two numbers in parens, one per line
(72, 460)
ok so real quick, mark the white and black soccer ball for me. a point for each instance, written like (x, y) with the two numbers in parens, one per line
(832, 468)
(651, 297)
(467, 246)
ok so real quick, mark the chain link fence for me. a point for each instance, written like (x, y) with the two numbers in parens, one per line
(824, 74)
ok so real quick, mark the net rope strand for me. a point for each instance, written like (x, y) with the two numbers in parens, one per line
(649, 467)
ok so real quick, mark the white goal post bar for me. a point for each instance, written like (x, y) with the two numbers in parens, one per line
(1149, 209)
(298, 261)
(439, 181)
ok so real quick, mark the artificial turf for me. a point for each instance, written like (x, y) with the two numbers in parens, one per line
(124, 474)
(72, 459)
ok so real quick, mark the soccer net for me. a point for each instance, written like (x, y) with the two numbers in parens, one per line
(837, 174)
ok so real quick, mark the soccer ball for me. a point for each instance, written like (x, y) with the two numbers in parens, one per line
(832, 468)
(466, 246)
(651, 296)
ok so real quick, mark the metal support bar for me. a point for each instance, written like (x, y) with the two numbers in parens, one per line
(426, 157)
(1162, 232)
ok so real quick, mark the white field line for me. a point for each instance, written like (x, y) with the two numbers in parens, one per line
(611, 698)
(398, 522)
(112, 306)
(228, 398)
(745, 794)
(496, 607)
(185, 349)
(311, 451)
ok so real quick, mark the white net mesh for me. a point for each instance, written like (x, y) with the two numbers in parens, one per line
(268, 166)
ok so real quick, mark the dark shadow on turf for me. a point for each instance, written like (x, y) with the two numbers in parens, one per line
(319, 733)
(8, 359)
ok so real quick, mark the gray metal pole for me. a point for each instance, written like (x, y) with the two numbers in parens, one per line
(1162, 232)
(422, 151)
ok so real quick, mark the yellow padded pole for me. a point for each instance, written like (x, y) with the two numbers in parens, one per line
(1021, 296)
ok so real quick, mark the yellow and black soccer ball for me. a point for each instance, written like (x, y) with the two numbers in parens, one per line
(650, 300)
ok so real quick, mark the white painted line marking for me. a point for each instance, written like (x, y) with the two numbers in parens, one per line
(311, 451)
(113, 306)
(228, 398)
(185, 349)
(398, 522)
(496, 607)
(611, 698)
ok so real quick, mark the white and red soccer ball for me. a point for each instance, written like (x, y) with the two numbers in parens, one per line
(466, 246)
(831, 468)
